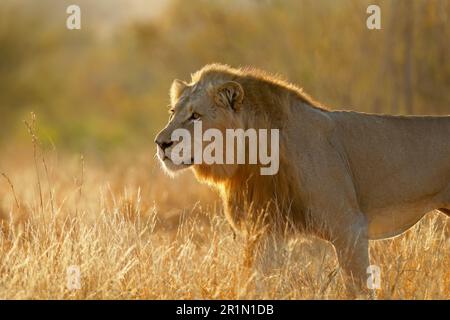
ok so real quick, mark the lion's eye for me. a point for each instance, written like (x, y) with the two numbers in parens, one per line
(194, 116)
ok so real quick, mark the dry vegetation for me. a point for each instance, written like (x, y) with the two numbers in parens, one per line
(136, 233)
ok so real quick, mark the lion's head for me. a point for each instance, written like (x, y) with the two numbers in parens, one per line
(212, 99)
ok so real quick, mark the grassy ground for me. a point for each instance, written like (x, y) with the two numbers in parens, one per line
(135, 233)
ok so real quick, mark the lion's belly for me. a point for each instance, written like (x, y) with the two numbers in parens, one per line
(393, 221)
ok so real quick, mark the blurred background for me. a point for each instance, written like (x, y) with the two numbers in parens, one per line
(105, 87)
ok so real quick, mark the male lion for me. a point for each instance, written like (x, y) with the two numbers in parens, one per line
(347, 177)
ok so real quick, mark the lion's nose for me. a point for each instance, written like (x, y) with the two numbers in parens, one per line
(163, 145)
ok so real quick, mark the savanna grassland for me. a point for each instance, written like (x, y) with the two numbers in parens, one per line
(80, 185)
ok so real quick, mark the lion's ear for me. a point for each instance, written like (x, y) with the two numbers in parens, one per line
(176, 90)
(229, 94)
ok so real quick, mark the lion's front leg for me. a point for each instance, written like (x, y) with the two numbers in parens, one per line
(270, 255)
(269, 258)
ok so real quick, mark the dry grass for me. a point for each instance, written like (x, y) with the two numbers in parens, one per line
(135, 233)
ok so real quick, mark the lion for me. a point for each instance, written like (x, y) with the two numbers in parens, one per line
(347, 177)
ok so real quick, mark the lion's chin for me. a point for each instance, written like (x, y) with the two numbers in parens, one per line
(217, 173)
(172, 168)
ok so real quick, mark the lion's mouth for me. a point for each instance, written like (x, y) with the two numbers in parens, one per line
(190, 163)
(170, 165)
